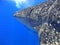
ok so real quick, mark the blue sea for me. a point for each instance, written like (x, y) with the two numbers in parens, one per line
(12, 31)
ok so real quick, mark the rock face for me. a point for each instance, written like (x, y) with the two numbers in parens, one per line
(45, 19)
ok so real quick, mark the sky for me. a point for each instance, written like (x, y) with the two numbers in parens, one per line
(13, 32)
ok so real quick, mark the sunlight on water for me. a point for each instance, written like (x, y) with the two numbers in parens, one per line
(25, 3)
(20, 2)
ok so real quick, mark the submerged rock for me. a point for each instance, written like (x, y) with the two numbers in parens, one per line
(45, 19)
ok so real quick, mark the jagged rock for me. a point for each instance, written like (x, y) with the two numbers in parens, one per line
(45, 19)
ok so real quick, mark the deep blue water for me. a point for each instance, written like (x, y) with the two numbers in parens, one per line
(13, 32)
